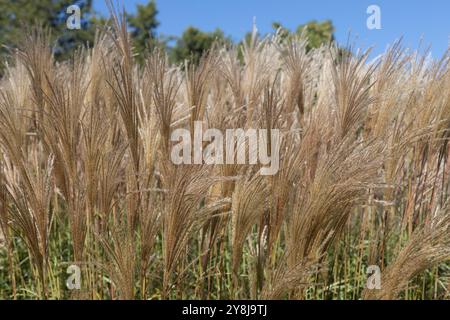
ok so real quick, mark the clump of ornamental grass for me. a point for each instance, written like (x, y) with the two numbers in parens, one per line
(86, 175)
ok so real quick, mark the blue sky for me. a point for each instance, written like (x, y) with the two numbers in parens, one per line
(412, 19)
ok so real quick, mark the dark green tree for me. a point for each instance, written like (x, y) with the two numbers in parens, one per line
(317, 33)
(143, 27)
(16, 15)
(194, 42)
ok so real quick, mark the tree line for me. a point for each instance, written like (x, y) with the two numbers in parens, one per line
(15, 16)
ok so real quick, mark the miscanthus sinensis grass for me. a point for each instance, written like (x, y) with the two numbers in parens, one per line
(87, 180)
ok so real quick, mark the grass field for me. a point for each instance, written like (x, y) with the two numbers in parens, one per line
(87, 179)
